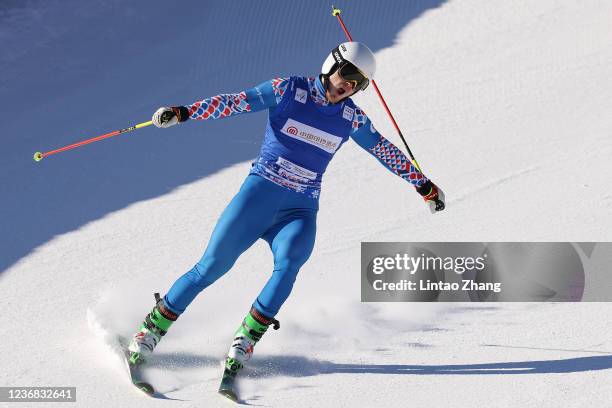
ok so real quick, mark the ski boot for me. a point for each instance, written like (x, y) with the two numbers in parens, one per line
(151, 331)
(248, 334)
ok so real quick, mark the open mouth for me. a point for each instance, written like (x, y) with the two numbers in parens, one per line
(341, 91)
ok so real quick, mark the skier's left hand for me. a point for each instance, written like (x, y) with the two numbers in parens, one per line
(433, 196)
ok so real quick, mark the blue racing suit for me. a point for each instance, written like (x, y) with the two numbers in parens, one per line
(279, 199)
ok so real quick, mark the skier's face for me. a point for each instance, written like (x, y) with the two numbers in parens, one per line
(338, 88)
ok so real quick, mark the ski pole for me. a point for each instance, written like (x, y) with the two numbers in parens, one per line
(38, 156)
(336, 13)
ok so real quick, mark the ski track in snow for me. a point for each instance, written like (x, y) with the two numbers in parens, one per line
(473, 194)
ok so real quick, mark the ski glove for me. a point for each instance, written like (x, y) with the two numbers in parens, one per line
(433, 196)
(165, 117)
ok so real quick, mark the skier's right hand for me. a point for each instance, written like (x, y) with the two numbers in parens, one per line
(165, 117)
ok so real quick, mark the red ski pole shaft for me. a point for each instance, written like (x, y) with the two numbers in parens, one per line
(336, 13)
(38, 156)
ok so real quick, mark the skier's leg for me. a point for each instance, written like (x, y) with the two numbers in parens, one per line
(243, 221)
(291, 242)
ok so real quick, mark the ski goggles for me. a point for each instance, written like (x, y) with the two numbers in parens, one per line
(351, 74)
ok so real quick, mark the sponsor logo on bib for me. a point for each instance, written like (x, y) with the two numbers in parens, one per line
(295, 169)
(300, 95)
(348, 113)
(313, 136)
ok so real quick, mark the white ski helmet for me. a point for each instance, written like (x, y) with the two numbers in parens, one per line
(354, 61)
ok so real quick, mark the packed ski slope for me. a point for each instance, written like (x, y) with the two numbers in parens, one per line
(507, 107)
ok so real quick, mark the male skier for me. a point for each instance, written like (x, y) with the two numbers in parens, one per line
(309, 119)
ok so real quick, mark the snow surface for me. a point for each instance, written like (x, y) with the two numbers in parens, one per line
(505, 104)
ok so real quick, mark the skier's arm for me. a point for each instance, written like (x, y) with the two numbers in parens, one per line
(368, 138)
(263, 96)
